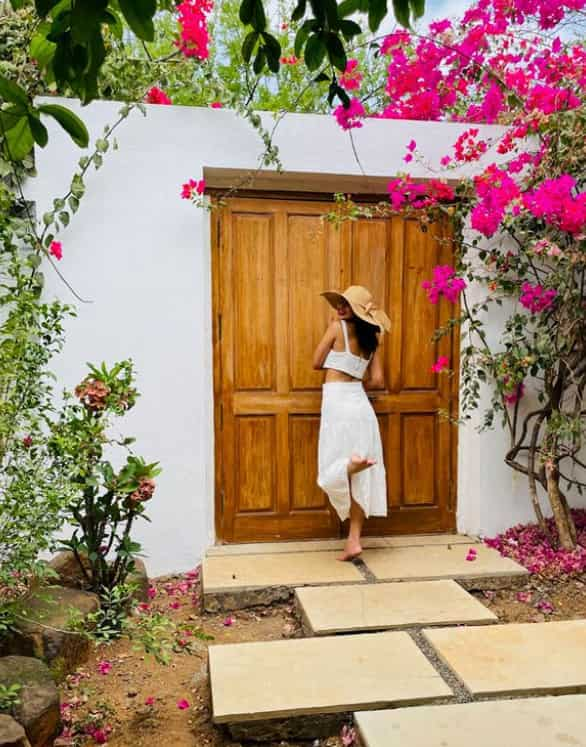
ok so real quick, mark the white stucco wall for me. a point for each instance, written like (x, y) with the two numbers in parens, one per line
(141, 256)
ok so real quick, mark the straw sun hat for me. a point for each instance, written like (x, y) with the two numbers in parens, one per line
(362, 304)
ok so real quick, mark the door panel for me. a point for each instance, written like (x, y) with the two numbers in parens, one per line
(271, 261)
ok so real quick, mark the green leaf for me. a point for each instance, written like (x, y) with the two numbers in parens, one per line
(12, 92)
(321, 78)
(64, 217)
(246, 11)
(70, 122)
(315, 51)
(331, 8)
(44, 6)
(377, 10)
(19, 140)
(73, 203)
(301, 37)
(259, 61)
(259, 20)
(336, 51)
(139, 15)
(348, 7)
(42, 50)
(48, 218)
(249, 44)
(350, 28)
(299, 11)
(401, 9)
(417, 8)
(272, 49)
(38, 130)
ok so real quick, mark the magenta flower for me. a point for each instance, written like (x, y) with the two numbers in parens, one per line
(27, 442)
(192, 186)
(351, 117)
(441, 363)
(150, 700)
(444, 283)
(182, 704)
(104, 667)
(157, 96)
(229, 621)
(55, 250)
(536, 298)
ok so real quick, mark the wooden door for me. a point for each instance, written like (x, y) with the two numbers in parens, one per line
(271, 259)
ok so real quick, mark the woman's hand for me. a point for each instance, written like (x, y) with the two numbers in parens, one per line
(325, 345)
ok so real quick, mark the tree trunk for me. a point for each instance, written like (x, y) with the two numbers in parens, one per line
(561, 513)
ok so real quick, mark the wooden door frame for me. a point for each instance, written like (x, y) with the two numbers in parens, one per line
(271, 185)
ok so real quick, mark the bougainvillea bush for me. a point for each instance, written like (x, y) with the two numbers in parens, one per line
(519, 224)
(106, 501)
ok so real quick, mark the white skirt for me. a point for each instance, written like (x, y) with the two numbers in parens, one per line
(349, 426)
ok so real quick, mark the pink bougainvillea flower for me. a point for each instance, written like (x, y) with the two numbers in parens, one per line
(445, 283)
(193, 31)
(104, 667)
(348, 736)
(290, 60)
(229, 621)
(55, 250)
(513, 396)
(216, 105)
(351, 78)
(174, 605)
(27, 442)
(150, 700)
(152, 592)
(192, 186)
(351, 117)
(182, 704)
(524, 596)
(441, 363)
(489, 594)
(157, 96)
(536, 298)
(471, 556)
(544, 606)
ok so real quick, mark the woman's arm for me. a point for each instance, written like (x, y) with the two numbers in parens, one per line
(374, 378)
(325, 345)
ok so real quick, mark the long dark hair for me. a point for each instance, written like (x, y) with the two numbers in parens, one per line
(366, 334)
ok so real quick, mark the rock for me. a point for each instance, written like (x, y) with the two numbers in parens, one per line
(70, 574)
(45, 633)
(67, 569)
(11, 733)
(38, 709)
(140, 578)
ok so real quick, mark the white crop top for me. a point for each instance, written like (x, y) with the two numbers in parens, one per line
(345, 361)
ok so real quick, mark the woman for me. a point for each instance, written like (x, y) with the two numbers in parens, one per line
(350, 461)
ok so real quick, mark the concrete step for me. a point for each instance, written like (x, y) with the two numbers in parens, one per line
(510, 723)
(368, 543)
(326, 610)
(488, 569)
(517, 659)
(237, 580)
(268, 690)
(234, 582)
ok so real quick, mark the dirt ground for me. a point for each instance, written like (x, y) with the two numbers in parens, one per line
(151, 704)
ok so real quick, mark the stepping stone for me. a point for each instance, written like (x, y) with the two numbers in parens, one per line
(442, 561)
(405, 540)
(509, 723)
(523, 659)
(349, 609)
(258, 685)
(234, 582)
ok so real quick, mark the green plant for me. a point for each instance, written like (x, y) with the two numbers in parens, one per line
(9, 697)
(105, 502)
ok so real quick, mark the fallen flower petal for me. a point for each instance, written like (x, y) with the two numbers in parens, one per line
(182, 704)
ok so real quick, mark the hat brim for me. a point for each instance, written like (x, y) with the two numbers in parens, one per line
(334, 297)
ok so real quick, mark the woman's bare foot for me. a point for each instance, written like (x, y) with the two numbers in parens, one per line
(358, 464)
(352, 550)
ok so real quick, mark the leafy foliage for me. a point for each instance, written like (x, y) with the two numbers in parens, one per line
(105, 502)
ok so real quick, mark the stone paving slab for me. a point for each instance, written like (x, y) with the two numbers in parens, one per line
(349, 609)
(277, 679)
(440, 561)
(226, 574)
(516, 659)
(548, 721)
(407, 540)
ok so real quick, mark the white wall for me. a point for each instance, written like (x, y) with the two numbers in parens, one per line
(141, 256)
